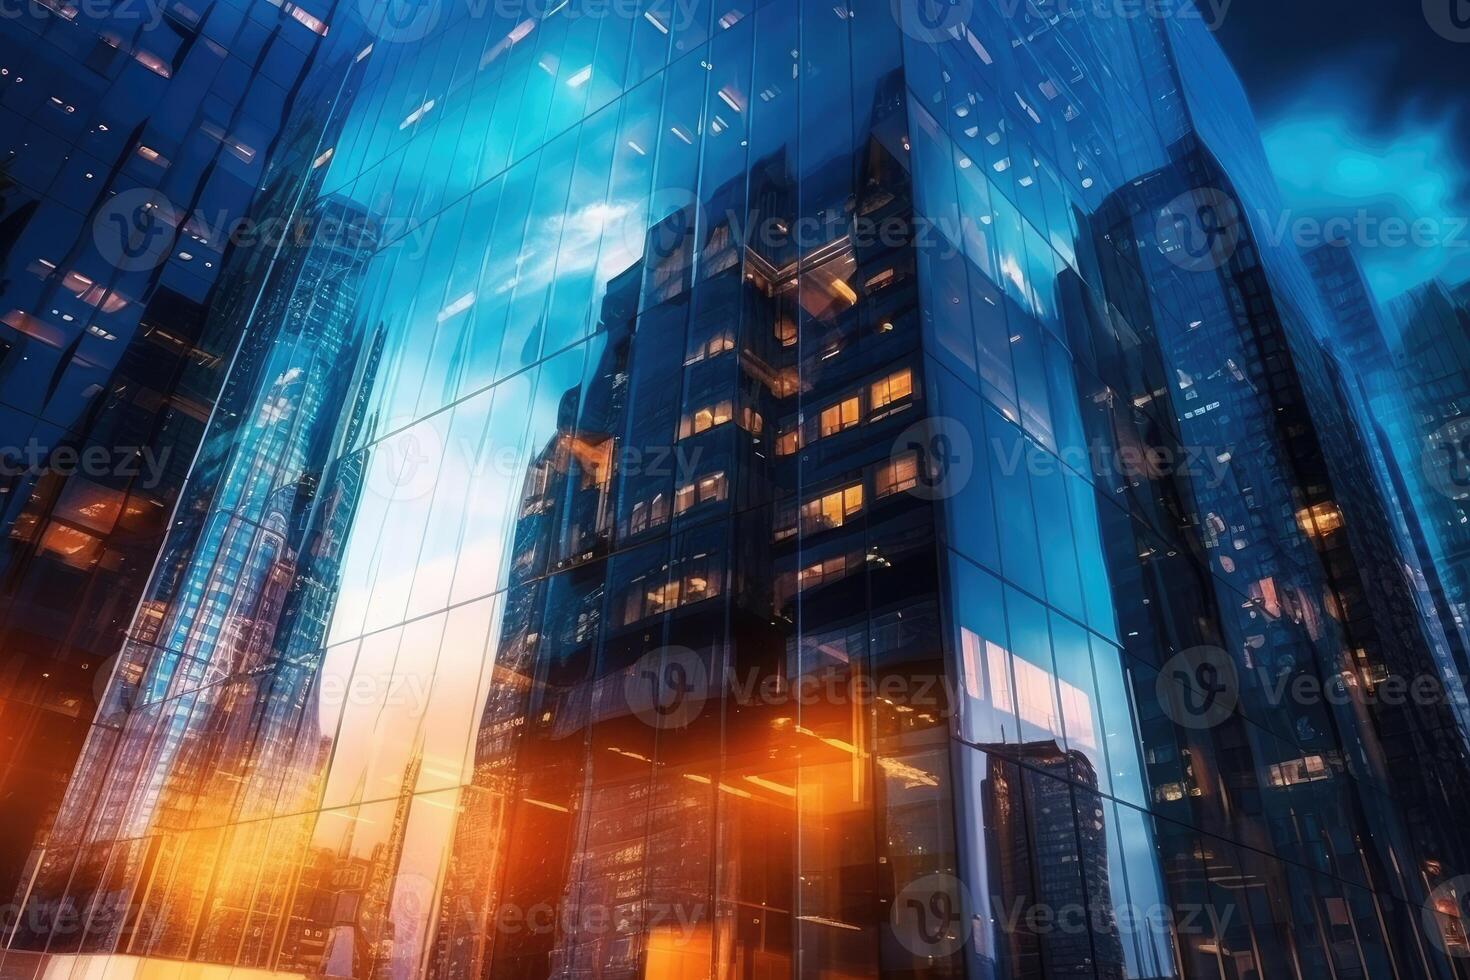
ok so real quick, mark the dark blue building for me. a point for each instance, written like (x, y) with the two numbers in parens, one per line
(772, 489)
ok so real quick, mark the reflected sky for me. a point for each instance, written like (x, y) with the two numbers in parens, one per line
(1362, 106)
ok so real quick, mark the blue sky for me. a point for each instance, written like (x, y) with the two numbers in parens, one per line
(1363, 111)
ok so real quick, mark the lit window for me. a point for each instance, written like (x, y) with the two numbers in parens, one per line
(823, 572)
(645, 514)
(895, 387)
(713, 347)
(832, 509)
(704, 490)
(843, 415)
(898, 474)
(702, 419)
(788, 442)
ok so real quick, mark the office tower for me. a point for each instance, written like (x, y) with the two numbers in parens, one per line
(1305, 556)
(1357, 320)
(133, 138)
(740, 511)
(1427, 394)
(1382, 391)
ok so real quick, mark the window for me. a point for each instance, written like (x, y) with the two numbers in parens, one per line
(702, 419)
(712, 347)
(751, 420)
(832, 509)
(785, 332)
(823, 572)
(897, 386)
(646, 514)
(788, 442)
(843, 415)
(898, 474)
(704, 490)
(785, 523)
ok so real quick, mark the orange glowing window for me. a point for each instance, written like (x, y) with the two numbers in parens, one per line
(788, 442)
(1319, 520)
(832, 509)
(896, 387)
(75, 547)
(898, 474)
(94, 507)
(703, 419)
(843, 415)
(704, 490)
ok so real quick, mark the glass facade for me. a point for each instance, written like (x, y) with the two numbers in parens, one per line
(1420, 394)
(133, 136)
(751, 489)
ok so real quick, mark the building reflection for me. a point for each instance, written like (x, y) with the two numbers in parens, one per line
(558, 599)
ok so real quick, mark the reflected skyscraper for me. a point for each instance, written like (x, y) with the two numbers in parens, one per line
(133, 140)
(680, 531)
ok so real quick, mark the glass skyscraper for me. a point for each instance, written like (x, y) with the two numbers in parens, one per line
(134, 136)
(735, 489)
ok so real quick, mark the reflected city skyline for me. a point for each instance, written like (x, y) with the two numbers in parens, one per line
(586, 576)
